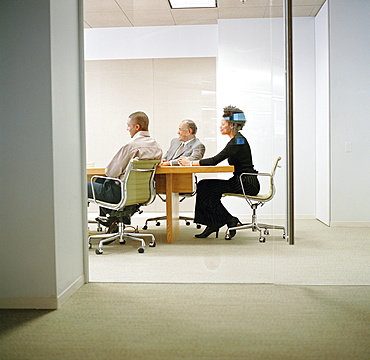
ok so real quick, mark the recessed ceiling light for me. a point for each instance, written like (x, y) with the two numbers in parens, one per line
(185, 4)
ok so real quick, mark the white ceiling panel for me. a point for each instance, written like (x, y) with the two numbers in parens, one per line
(100, 5)
(123, 13)
(240, 13)
(303, 10)
(238, 3)
(143, 4)
(274, 11)
(106, 19)
(151, 18)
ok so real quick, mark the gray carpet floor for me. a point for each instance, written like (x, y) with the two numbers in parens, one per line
(210, 299)
(194, 321)
(321, 255)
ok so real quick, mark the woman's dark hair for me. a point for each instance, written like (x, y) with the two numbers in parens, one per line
(228, 115)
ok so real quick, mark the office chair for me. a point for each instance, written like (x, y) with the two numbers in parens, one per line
(137, 189)
(187, 219)
(256, 201)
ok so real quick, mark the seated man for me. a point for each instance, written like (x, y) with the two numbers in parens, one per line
(141, 146)
(185, 145)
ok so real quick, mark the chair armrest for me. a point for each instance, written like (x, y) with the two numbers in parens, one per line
(251, 174)
(256, 174)
(104, 177)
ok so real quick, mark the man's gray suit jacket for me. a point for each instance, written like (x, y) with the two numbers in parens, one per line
(194, 150)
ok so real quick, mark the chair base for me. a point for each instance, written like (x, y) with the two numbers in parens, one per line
(122, 236)
(98, 226)
(256, 227)
(159, 218)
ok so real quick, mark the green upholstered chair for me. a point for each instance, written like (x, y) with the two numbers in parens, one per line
(255, 202)
(137, 189)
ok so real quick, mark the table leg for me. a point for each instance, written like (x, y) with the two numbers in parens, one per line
(172, 211)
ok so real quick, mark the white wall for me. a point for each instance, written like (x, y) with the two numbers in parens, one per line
(68, 143)
(43, 226)
(151, 42)
(349, 110)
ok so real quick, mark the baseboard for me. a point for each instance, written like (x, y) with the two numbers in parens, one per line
(66, 294)
(38, 303)
(44, 303)
(350, 223)
(271, 217)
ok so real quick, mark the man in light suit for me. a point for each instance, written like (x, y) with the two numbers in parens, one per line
(185, 145)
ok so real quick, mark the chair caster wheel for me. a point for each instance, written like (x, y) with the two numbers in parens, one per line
(99, 251)
(198, 226)
(227, 237)
(157, 223)
(266, 232)
(123, 242)
(187, 223)
(145, 227)
(140, 250)
(152, 244)
(262, 239)
(284, 236)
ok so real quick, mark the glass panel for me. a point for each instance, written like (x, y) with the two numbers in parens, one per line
(179, 72)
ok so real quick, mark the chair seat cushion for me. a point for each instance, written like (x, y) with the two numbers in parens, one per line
(259, 197)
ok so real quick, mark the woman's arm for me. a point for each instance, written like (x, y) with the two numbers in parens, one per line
(184, 161)
(222, 155)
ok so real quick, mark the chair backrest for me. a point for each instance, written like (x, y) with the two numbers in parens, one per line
(138, 185)
(275, 166)
(260, 198)
(272, 188)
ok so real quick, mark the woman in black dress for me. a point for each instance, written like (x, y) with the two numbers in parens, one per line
(209, 209)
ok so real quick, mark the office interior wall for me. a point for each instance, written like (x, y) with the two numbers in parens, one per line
(68, 145)
(322, 116)
(349, 110)
(41, 259)
(149, 42)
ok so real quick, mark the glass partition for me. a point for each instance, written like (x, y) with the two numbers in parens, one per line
(193, 71)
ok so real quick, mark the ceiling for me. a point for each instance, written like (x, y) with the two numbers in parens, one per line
(129, 13)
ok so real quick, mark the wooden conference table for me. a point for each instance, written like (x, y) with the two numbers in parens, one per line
(172, 180)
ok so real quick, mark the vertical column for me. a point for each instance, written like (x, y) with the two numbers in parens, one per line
(42, 143)
(289, 118)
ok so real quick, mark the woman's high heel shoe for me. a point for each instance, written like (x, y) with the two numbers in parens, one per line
(233, 223)
(208, 231)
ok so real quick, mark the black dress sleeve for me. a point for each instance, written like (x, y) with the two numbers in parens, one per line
(222, 155)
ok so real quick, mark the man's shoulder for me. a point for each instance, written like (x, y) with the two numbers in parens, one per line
(197, 142)
(175, 141)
